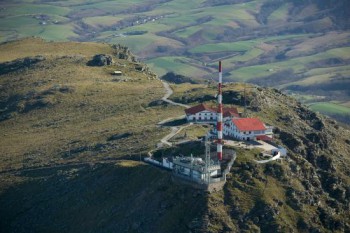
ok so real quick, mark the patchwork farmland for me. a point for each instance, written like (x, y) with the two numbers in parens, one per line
(284, 44)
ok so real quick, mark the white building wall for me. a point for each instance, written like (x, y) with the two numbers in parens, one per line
(231, 130)
(269, 130)
(207, 116)
(166, 163)
(202, 116)
(189, 117)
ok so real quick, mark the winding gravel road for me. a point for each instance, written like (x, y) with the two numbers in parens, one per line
(174, 130)
(168, 93)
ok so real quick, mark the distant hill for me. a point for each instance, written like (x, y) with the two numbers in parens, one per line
(72, 134)
(299, 46)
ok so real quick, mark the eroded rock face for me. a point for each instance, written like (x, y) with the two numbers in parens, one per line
(316, 174)
(101, 60)
(124, 53)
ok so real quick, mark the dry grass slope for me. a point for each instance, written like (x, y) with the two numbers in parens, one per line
(64, 110)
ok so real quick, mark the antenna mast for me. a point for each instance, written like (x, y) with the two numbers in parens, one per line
(219, 116)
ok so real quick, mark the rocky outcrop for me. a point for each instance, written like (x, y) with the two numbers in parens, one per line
(123, 52)
(317, 148)
(101, 60)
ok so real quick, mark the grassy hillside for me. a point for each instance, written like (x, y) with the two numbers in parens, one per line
(293, 194)
(62, 107)
(66, 130)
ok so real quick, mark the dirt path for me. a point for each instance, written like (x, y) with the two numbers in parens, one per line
(278, 156)
(174, 130)
(168, 93)
(164, 140)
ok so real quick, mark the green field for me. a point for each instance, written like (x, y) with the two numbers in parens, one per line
(190, 37)
(221, 47)
(280, 15)
(179, 64)
(179, 6)
(102, 20)
(107, 6)
(28, 9)
(248, 55)
(297, 64)
(333, 108)
(188, 31)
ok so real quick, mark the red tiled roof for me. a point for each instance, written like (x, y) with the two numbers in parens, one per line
(263, 138)
(199, 108)
(249, 124)
(230, 112)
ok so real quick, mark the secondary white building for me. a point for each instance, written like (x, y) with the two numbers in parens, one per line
(195, 168)
(201, 113)
(247, 129)
(204, 114)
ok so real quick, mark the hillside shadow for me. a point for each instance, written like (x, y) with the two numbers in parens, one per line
(124, 197)
(177, 122)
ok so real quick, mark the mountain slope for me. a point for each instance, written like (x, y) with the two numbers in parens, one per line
(306, 192)
(60, 105)
(68, 130)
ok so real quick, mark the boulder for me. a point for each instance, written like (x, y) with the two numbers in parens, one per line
(101, 60)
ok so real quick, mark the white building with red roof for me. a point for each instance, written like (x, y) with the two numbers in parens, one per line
(247, 129)
(230, 113)
(201, 113)
(204, 114)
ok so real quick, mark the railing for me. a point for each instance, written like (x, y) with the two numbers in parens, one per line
(193, 179)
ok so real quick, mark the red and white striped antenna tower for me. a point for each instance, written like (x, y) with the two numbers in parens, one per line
(219, 116)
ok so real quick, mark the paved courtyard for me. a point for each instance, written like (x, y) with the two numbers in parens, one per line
(250, 145)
